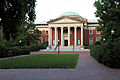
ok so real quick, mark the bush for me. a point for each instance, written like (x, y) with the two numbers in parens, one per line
(19, 50)
(38, 47)
(3, 49)
(98, 43)
(98, 52)
(88, 47)
(108, 54)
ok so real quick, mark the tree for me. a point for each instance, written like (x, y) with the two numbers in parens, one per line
(14, 13)
(108, 11)
(25, 36)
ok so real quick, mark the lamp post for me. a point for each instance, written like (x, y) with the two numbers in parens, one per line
(103, 39)
(20, 42)
(58, 46)
(112, 33)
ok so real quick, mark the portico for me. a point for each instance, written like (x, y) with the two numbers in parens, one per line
(66, 35)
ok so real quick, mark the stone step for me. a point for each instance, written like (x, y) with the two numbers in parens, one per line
(66, 48)
(60, 52)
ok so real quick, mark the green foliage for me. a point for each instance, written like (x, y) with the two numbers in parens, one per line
(41, 61)
(107, 11)
(25, 36)
(98, 43)
(109, 53)
(4, 48)
(14, 14)
(88, 47)
(18, 50)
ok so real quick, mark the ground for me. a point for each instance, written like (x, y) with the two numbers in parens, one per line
(87, 69)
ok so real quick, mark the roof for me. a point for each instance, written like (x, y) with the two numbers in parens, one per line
(70, 13)
(92, 21)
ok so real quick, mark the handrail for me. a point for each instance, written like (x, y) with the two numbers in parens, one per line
(55, 47)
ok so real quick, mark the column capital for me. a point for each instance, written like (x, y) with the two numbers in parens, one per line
(49, 27)
(82, 27)
(69, 27)
(55, 27)
(75, 26)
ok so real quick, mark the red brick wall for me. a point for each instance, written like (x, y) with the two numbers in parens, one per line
(94, 35)
(72, 36)
(78, 35)
(44, 35)
(86, 37)
(53, 35)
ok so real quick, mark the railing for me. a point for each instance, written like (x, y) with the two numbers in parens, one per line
(55, 47)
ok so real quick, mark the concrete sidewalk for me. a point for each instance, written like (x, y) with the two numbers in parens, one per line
(87, 69)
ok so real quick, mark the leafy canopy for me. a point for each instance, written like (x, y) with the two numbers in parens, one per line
(109, 13)
(13, 15)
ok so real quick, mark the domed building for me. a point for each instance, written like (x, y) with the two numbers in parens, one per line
(69, 29)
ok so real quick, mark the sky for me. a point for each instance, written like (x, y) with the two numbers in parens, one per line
(51, 9)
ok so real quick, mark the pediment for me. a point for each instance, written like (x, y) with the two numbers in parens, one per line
(65, 20)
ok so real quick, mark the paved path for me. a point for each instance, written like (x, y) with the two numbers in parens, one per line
(87, 69)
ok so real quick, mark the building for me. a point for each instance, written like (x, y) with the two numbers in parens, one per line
(69, 29)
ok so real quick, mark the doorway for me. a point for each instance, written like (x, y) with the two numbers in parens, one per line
(66, 42)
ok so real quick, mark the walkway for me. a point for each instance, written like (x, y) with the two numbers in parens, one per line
(87, 69)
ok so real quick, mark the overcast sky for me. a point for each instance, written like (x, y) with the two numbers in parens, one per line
(50, 9)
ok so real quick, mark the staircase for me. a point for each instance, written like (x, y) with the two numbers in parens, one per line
(66, 48)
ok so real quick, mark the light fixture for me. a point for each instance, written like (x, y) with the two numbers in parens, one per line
(20, 41)
(103, 39)
(112, 31)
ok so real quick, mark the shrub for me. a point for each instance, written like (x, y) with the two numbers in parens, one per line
(108, 54)
(3, 49)
(19, 50)
(88, 47)
(98, 43)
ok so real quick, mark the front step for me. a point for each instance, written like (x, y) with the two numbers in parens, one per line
(60, 52)
(66, 48)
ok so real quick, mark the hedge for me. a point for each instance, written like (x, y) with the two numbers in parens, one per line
(107, 55)
(19, 50)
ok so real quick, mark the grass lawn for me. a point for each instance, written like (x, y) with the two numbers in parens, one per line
(41, 61)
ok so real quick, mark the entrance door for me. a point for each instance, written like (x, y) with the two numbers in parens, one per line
(66, 42)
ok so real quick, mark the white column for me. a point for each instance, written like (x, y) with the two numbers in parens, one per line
(50, 36)
(82, 36)
(55, 36)
(75, 30)
(62, 41)
(68, 36)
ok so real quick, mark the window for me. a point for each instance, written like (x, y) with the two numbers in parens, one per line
(90, 31)
(40, 32)
(46, 32)
(97, 38)
(97, 32)
(90, 41)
